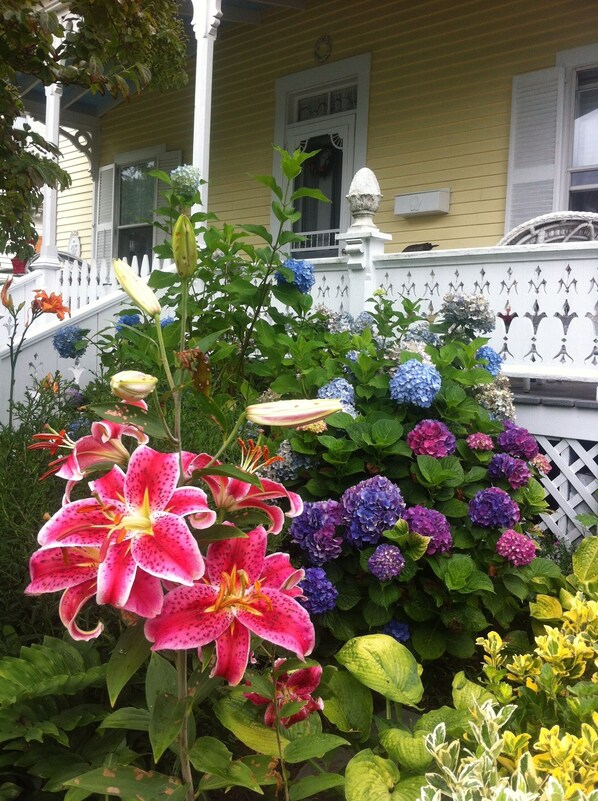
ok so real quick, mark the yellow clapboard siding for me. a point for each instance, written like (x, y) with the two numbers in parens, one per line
(439, 110)
(75, 205)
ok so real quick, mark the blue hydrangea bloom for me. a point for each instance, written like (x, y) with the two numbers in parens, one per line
(416, 383)
(370, 508)
(386, 563)
(66, 339)
(362, 321)
(78, 428)
(339, 389)
(127, 319)
(400, 631)
(319, 593)
(493, 358)
(303, 274)
(166, 321)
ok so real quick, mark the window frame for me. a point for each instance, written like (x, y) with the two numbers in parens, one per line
(572, 62)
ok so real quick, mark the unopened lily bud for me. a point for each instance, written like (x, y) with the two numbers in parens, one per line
(292, 413)
(7, 301)
(184, 247)
(136, 288)
(131, 385)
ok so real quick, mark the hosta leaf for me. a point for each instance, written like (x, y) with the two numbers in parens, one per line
(409, 751)
(348, 705)
(235, 716)
(370, 778)
(383, 665)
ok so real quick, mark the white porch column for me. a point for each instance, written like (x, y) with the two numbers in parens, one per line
(48, 257)
(206, 19)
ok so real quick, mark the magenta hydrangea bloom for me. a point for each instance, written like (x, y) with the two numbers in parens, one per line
(542, 463)
(480, 442)
(433, 524)
(516, 471)
(431, 438)
(493, 508)
(516, 548)
(517, 441)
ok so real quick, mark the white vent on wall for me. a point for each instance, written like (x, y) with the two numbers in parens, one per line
(431, 201)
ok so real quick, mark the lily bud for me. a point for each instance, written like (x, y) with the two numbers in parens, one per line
(292, 412)
(131, 385)
(6, 299)
(136, 288)
(184, 247)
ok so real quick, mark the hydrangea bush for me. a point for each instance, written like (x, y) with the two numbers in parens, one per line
(435, 496)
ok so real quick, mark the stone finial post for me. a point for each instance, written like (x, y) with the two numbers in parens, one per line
(364, 242)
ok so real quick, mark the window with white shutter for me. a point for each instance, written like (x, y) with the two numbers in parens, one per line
(126, 198)
(553, 152)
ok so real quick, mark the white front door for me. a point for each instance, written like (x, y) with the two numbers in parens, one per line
(330, 171)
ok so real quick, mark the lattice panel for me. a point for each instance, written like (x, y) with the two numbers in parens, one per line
(572, 484)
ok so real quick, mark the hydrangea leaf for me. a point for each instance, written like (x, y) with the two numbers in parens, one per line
(385, 666)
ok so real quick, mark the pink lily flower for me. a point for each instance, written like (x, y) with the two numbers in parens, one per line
(75, 570)
(244, 592)
(136, 525)
(298, 685)
(233, 495)
(101, 449)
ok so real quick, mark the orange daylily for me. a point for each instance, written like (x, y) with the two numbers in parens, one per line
(43, 303)
(5, 298)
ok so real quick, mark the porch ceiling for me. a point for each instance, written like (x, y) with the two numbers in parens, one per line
(81, 108)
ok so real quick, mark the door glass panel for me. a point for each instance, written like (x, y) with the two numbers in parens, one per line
(320, 221)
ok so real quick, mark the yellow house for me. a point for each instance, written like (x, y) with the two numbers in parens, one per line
(474, 116)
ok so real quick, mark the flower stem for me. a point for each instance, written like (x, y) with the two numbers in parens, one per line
(231, 437)
(283, 771)
(183, 741)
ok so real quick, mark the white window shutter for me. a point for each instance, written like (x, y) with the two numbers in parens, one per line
(104, 233)
(534, 145)
(166, 162)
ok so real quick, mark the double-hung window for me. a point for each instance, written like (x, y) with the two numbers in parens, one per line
(553, 152)
(126, 196)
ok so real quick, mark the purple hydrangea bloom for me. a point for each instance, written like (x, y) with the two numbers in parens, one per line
(493, 358)
(74, 397)
(516, 548)
(493, 508)
(480, 442)
(386, 563)
(370, 508)
(431, 438)
(314, 531)
(400, 631)
(514, 470)
(517, 441)
(303, 274)
(433, 524)
(319, 593)
(416, 383)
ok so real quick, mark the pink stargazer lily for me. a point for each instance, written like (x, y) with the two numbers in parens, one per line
(244, 591)
(75, 571)
(135, 524)
(232, 494)
(101, 449)
(298, 685)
